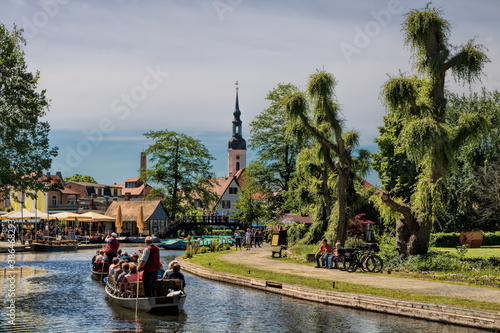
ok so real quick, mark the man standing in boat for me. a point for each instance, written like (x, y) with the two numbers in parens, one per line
(111, 249)
(150, 264)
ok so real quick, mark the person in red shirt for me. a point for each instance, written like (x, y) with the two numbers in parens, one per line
(150, 264)
(325, 250)
(112, 246)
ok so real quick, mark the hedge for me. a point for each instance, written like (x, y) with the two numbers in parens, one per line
(452, 239)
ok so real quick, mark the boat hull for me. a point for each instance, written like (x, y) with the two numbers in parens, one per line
(174, 244)
(52, 248)
(162, 305)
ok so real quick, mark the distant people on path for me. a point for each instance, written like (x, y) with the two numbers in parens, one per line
(322, 255)
(248, 239)
(237, 239)
(150, 264)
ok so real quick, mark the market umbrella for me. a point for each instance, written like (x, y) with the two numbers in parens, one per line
(140, 221)
(119, 222)
(96, 217)
(42, 215)
(19, 215)
(69, 216)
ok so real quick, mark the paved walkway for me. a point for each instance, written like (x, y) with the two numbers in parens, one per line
(260, 258)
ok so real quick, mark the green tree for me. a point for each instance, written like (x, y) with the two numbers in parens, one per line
(426, 138)
(254, 204)
(470, 196)
(317, 115)
(80, 178)
(181, 169)
(275, 146)
(24, 145)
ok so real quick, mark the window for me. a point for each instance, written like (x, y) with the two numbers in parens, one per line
(197, 203)
(226, 204)
(233, 190)
(237, 166)
(54, 201)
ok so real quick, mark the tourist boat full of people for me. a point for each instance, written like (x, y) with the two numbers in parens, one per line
(169, 299)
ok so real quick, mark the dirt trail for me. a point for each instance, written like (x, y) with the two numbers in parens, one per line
(260, 258)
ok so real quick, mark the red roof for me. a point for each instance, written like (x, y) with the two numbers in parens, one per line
(132, 180)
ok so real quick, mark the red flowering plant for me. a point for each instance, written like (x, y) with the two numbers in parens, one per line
(358, 226)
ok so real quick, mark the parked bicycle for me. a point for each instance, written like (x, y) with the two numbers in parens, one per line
(366, 259)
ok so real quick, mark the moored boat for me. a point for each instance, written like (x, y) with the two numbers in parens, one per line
(169, 300)
(173, 244)
(49, 245)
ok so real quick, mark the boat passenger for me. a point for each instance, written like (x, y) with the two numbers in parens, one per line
(161, 271)
(115, 263)
(133, 275)
(175, 273)
(120, 281)
(125, 256)
(134, 258)
(95, 256)
(100, 257)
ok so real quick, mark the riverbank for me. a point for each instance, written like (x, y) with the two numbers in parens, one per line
(260, 258)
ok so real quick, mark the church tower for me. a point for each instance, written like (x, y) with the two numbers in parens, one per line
(237, 146)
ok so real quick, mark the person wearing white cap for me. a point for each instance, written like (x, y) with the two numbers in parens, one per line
(112, 246)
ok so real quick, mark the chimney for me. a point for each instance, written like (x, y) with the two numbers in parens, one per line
(143, 161)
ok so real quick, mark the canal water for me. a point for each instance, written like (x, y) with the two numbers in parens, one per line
(65, 298)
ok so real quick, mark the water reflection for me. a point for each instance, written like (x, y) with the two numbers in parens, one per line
(67, 299)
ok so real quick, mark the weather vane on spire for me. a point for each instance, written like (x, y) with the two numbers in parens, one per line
(236, 84)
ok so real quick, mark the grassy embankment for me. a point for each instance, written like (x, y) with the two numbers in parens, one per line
(210, 260)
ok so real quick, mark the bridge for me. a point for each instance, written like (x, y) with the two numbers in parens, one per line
(187, 223)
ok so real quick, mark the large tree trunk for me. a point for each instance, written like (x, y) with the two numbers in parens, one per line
(412, 235)
(342, 182)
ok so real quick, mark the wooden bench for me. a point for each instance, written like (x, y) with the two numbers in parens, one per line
(279, 252)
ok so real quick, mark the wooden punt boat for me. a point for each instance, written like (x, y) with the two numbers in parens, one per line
(49, 245)
(99, 272)
(169, 300)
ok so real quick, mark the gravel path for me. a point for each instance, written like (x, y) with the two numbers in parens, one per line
(260, 258)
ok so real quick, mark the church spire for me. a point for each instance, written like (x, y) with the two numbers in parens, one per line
(237, 146)
(237, 114)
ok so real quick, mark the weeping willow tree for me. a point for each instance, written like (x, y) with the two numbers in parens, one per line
(425, 138)
(317, 115)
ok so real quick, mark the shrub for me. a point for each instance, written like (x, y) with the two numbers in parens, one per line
(491, 238)
(222, 232)
(204, 249)
(443, 239)
(353, 242)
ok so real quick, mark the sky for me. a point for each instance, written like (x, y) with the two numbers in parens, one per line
(117, 69)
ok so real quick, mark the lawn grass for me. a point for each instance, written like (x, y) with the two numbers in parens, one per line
(210, 260)
(480, 252)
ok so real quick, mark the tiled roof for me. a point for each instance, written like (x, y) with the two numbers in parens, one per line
(132, 179)
(143, 190)
(69, 191)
